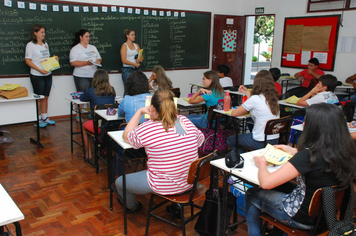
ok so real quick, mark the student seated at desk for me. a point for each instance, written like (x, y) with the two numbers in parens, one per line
(211, 95)
(100, 93)
(276, 74)
(171, 142)
(262, 103)
(318, 162)
(223, 71)
(137, 90)
(322, 92)
(308, 77)
(159, 79)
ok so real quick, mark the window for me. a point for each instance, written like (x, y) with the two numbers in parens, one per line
(331, 5)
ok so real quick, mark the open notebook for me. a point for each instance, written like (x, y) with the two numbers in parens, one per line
(275, 156)
(292, 100)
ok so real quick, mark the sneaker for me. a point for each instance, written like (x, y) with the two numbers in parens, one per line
(137, 207)
(42, 124)
(48, 121)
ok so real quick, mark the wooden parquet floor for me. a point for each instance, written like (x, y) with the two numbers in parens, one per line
(59, 194)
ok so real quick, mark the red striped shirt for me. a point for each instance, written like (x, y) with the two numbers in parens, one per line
(169, 154)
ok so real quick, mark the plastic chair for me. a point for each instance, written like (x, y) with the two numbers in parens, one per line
(199, 170)
(342, 200)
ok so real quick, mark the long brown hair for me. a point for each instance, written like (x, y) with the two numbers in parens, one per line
(101, 84)
(215, 83)
(163, 102)
(264, 83)
(36, 28)
(162, 81)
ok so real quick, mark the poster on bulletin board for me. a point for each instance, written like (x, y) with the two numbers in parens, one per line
(308, 37)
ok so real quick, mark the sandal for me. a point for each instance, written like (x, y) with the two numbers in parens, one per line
(137, 207)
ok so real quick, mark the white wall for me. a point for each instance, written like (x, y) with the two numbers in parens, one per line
(64, 85)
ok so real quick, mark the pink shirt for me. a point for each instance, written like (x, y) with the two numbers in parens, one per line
(169, 154)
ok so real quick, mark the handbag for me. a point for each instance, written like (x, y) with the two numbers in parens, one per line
(220, 140)
(234, 161)
(18, 92)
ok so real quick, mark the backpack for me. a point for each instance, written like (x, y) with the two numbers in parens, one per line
(220, 140)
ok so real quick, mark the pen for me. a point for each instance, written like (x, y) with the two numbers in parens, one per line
(354, 123)
(282, 159)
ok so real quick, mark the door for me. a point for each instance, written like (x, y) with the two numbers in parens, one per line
(228, 45)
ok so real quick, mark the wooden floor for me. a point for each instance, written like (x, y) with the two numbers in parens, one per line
(59, 194)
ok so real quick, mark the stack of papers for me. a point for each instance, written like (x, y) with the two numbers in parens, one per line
(275, 156)
(9, 87)
(292, 100)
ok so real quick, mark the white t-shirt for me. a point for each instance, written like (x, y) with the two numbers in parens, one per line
(153, 86)
(226, 82)
(130, 55)
(80, 53)
(36, 53)
(260, 113)
(323, 97)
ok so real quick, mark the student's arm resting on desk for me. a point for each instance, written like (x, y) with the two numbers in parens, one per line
(303, 100)
(239, 111)
(351, 79)
(271, 180)
(299, 77)
(135, 120)
(196, 98)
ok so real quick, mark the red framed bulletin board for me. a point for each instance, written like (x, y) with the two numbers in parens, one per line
(308, 37)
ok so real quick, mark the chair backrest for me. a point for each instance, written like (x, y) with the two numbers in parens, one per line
(176, 92)
(199, 169)
(316, 206)
(279, 126)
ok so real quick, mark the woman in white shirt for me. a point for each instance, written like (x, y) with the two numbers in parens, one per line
(262, 103)
(129, 55)
(36, 50)
(84, 57)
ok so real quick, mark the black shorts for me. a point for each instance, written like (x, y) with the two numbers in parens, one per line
(41, 84)
(82, 83)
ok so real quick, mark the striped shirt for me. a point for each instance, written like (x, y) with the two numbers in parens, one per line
(169, 154)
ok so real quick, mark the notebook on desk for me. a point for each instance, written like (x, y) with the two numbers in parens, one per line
(292, 100)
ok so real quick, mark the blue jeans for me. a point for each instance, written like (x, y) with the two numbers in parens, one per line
(41, 84)
(126, 71)
(246, 140)
(136, 183)
(198, 120)
(83, 83)
(269, 201)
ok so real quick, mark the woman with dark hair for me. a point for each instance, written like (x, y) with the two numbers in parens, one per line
(129, 56)
(41, 80)
(159, 79)
(85, 58)
(262, 103)
(137, 90)
(168, 160)
(100, 93)
(325, 156)
(210, 94)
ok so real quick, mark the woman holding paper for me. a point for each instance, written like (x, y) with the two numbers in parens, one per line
(36, 50)
(85, 58)
(325, 156)
(130, 55)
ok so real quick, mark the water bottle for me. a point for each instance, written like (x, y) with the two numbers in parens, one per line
(227, 102)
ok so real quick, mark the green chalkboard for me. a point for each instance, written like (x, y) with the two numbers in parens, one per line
(171, 38)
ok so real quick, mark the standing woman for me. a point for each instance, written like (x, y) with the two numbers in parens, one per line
(210, 94)
(262, 103)
(159, 79)
(82, 56)
(129, 55)
(36, 50)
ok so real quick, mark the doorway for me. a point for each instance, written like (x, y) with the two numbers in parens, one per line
(258, 44)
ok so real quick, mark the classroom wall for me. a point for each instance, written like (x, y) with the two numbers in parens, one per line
(64, 85)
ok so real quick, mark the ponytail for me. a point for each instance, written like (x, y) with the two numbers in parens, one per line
(163, 102)
(77, 36)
